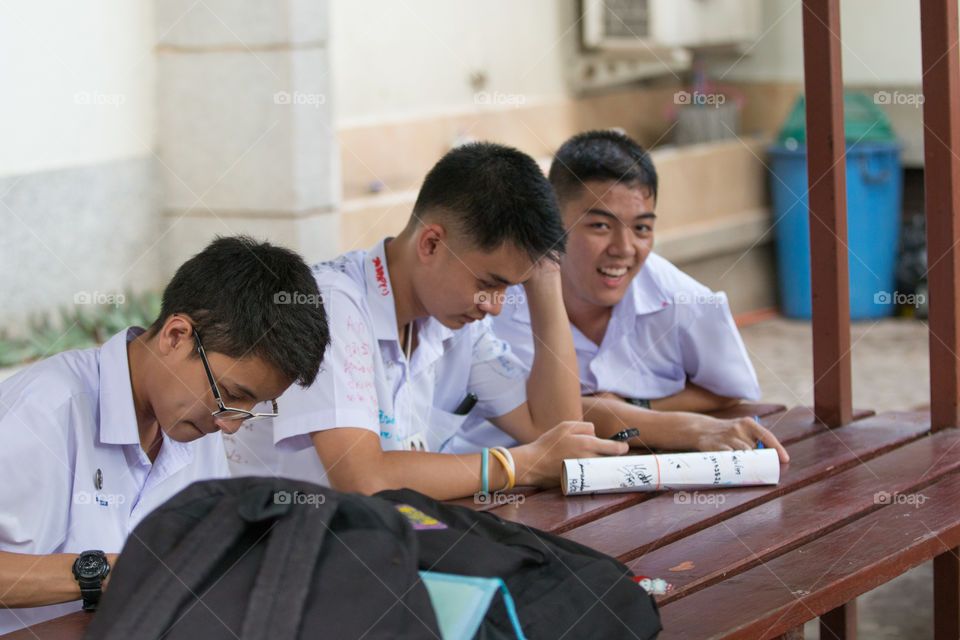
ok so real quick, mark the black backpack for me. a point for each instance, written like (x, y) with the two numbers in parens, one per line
(267, 558)
(561, 588)
(273, 558)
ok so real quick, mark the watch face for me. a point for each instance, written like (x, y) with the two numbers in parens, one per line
(89, 566)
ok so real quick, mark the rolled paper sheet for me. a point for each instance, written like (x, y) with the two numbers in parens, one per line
(700, 470)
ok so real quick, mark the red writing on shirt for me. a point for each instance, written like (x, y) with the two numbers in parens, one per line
(355, 325)
(381, 276)
(359, 375)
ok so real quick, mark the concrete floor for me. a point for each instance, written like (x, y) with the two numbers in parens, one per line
(890, 372)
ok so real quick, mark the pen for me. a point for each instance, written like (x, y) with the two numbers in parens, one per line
(465, 405)
(759, 443)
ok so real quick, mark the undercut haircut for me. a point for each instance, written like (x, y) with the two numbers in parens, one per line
(490, 195)
(252, 299)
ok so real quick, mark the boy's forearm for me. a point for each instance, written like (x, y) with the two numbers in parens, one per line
(553, 388)
(693, 398)
(439, 475)
(37, 580)
(657, 430)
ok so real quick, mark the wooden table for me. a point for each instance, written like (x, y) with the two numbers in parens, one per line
(855, 507)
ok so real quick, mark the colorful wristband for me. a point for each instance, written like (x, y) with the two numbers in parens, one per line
(484, 480)
(506, 467)
(506, 459)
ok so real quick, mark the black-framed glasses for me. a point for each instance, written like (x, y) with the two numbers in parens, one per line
(224, 412)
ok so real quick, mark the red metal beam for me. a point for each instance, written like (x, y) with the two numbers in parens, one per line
(826, 173)
(941, 155)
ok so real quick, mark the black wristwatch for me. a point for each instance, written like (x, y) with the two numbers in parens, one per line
(90, 568)
(638, 402)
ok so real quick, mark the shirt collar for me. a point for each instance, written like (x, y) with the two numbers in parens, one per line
(645, 295)
(118, 418)
(380, 298)
(383, 307)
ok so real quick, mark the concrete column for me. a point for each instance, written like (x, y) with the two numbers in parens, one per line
(244, 125)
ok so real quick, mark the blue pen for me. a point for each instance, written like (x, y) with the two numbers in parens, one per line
(759, 443)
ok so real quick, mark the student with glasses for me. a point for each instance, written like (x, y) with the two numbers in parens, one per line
(91, 441)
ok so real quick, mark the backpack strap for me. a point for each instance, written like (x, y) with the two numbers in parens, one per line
(149, 611)
(286, 574)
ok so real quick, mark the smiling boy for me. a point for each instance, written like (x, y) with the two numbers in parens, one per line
(647, 335)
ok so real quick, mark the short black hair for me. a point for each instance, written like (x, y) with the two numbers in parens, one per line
(249, 298)
(600, 156)
(494, 194)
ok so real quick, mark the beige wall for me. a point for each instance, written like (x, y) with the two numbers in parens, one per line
(415, 59)
(77, 83)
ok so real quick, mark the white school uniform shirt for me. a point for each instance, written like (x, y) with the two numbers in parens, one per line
(666, 329)
(61, 420)
(366, 382)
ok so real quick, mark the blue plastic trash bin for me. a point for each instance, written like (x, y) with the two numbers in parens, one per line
(874, 197)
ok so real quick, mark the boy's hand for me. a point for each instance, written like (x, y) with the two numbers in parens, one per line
(539, 462)
(712, 434)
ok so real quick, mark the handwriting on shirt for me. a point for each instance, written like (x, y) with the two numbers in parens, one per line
(381, 276)
(357, 366)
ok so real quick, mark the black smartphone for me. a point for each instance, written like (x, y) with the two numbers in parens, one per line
(626, 434)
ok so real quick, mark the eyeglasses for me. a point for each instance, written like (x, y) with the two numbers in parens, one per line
(224, 412)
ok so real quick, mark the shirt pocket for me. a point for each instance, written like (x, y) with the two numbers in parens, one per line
(440, 426)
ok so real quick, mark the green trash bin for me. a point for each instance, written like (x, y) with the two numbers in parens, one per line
(874, 197)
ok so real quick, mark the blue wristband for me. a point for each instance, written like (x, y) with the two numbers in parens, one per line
(484, 479)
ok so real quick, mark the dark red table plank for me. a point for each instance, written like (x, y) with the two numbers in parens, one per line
(799, 423)
(776, 527)
(69, 627)
(822, 575)
(638, 529)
